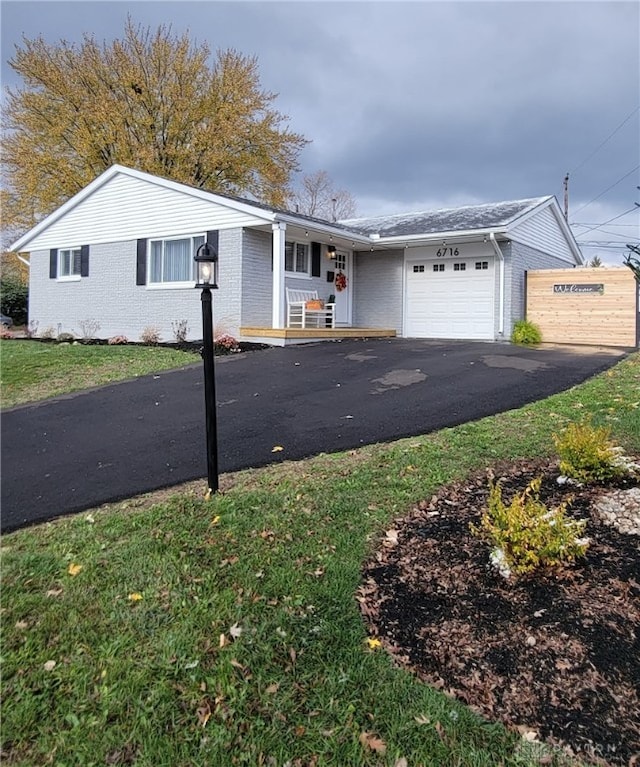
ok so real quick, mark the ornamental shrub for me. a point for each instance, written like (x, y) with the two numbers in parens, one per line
(14, 297)
(587, 454)
(226, 343)
(117, 340)
(526, 333)
(180, 330)
(150, 335)
(526, 535)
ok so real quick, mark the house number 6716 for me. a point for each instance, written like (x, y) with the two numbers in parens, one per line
(442, 252)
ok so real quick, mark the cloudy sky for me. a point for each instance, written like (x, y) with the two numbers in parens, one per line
(416, 105)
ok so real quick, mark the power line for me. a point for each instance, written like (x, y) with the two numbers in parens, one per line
(633, 170)
(610, 136)
(602, 244)
(614, 234)
(583, 223)
(604, 223)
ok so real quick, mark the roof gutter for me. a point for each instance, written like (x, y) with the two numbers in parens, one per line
(436, 236)
(500, 257)
(345, 234)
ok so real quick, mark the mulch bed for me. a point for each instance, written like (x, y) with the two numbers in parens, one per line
(555, 653)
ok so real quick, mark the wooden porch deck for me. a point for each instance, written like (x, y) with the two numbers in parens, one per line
(290, 336)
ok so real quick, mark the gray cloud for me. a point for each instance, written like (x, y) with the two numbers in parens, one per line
(422, 102)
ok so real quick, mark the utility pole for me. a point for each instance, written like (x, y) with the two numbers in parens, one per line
(566, 197)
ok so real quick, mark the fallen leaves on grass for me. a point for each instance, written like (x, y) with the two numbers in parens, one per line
(204, 713)
(74, 569)
(373, 742)
(136, 596)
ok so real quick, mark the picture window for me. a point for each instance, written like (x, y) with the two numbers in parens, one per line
(171, 261)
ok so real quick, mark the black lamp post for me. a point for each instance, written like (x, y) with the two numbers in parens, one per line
(206, 259)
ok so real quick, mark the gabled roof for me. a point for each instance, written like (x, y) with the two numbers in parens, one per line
(261, 210)
(496, 215)
(469, 220)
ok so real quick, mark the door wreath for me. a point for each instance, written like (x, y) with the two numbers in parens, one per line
(341, 281)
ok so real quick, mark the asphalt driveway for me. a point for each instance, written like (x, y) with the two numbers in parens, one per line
(82, 450)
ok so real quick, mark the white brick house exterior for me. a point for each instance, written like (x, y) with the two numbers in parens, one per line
(117, 254)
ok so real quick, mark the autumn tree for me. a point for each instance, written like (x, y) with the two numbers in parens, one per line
(318, 197)
(152, 101)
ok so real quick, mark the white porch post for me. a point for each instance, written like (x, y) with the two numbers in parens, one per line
(278, 314)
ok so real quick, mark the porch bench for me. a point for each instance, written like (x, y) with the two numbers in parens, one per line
(300, 316)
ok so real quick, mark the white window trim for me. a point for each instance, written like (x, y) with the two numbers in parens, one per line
(68, 277)
(299, 275)
(172, 285)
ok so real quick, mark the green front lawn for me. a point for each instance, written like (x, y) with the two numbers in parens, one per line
(226, 632)
(31, 370)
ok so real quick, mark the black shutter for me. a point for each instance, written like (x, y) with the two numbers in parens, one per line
(212, 239)
(315, 259)
(53, 263)
(84, 261)
(141, 263)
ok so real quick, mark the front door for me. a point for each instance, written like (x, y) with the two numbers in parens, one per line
(342, 287)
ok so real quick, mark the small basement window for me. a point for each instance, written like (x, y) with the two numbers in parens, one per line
(69, 263)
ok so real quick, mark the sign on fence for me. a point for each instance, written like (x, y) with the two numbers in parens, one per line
(572, 287)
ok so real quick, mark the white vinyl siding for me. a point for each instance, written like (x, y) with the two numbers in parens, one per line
(127, 208)
(171, 261)
(542, 232)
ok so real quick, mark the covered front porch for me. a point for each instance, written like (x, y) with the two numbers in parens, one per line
(291, 336)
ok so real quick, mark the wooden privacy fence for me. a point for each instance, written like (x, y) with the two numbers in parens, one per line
(584, 306)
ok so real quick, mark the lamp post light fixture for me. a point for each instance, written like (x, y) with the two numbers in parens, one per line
(206, 258)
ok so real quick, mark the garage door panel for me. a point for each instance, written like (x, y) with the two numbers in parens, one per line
(449, 303)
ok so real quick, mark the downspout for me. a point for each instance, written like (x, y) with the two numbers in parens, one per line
(499, 254)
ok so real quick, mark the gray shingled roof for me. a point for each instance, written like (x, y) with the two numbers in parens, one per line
(469, 217)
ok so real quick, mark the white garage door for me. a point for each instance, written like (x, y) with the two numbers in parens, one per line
(451, 299)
